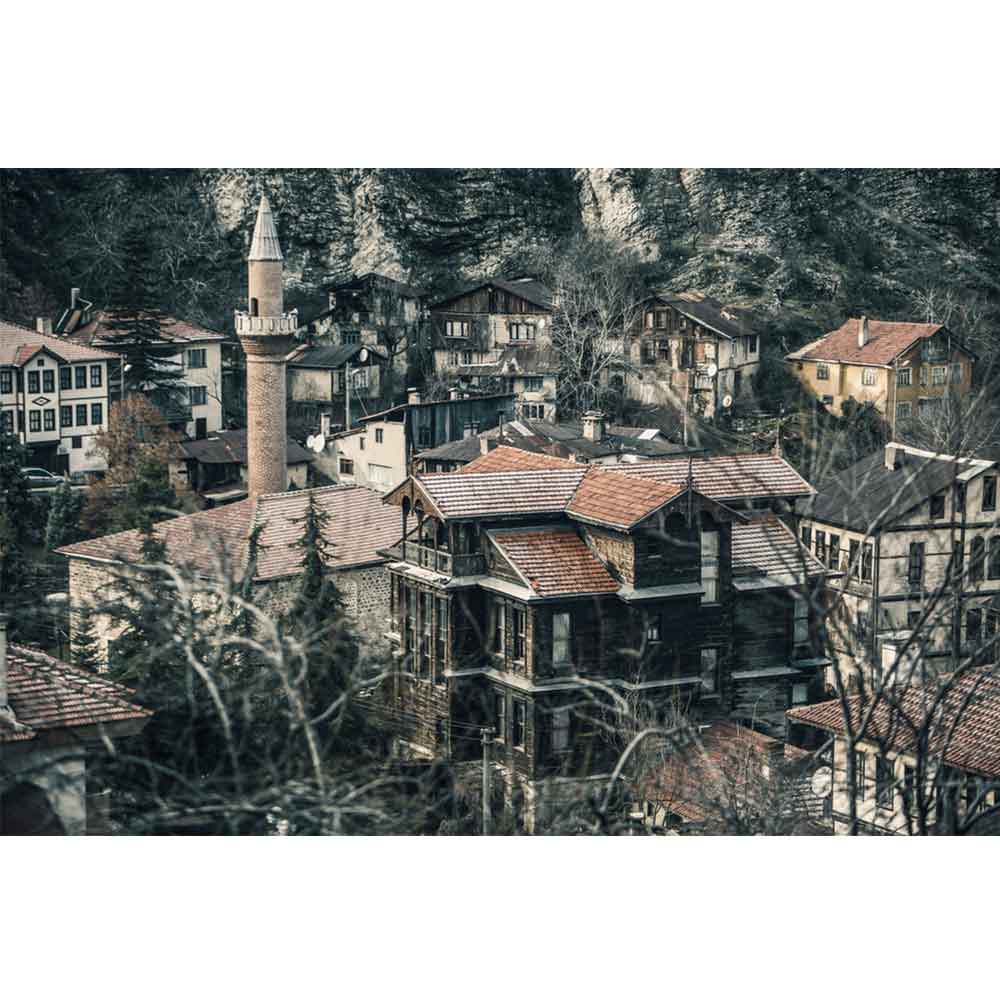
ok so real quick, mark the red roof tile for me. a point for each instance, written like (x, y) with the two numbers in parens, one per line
(46, 694)
(18, 345)
(886, 342)
(766, 546)
(506, 459)
(725, 477)
(613, 499)
(171, 329)
(554, 561)
(492, 494)
(212, 541)
(962, 719)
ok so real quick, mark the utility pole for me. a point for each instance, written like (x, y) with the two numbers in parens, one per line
(347, 395)
(487, 735)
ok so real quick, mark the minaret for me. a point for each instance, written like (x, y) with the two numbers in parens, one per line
(267, 334)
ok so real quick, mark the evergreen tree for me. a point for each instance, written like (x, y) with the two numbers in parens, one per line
(63, 525)
(134, 321)
(86, 645)
(16, 512)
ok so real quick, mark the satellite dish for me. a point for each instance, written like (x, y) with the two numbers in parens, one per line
(318, 443)
(821, 783)
(310, 441)
(363, 355)
(713, 369)
(727, 401)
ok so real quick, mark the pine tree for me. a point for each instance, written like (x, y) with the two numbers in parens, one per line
(64, 518)
(16, 513)
(86, 645)
(134, 320)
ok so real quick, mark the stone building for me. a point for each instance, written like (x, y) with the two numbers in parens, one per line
(473, 327)
(529, 371)
(52, 717)
(214, 542)
(905, 526)
(523, 581)
(904, 370)
(194, 407)
(691, 352)
(924, 761)
(54, 395)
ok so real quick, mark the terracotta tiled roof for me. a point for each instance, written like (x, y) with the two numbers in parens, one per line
(171, 330)
(964, 723)
(726, 477)
(47, 694)
(360, 524)
(212, 541)
(535, 491)
(503, 458)
(18, 344)
(612, 499)
(554, 561)
(767, 547)
(886, 342)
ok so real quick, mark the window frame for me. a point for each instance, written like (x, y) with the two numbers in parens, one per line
(80, 377)
(195, 358)
(989, 485)
(904, 378)
(822, 371)
(96, 376)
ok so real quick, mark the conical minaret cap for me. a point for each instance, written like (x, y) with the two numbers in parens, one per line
(265, 244)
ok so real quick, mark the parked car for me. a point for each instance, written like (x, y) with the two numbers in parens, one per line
(41, 478)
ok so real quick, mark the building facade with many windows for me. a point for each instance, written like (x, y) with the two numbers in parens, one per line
(54, 396)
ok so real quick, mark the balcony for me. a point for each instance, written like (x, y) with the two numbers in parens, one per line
(438, 560)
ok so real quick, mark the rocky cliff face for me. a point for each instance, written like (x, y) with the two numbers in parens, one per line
(814, 243)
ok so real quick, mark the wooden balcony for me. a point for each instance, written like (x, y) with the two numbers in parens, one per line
(438, 560)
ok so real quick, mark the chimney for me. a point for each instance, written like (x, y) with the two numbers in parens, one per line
(324, 424)
(593, 425)
(413, 396)
(863, 335)
(453, 393)
(74, 296)
(893, 456)
(487, 444)
(467, 430)
(44, 325)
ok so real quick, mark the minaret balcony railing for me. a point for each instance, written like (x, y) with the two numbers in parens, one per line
(285, 324)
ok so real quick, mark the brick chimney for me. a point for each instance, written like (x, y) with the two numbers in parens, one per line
(267, 334)
(863, 335)
(44, 325)
(893, 456)
(593, 425)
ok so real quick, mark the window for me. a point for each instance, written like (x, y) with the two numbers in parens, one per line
(867, 560)
(456, 328)
(989, 493)
(977, 559)
(960, 497)
(710, 566)
(522, 331)
(378, 435)
(50, 420)
(466, 357)
(361, 443)
(424, 652)
(33, 382)
(801, 620)
(198, 394)
(498, 614)
(709, 670)
(424, 435)
(35, 420)
(915, 565)
(661, 319)
(973, 629)
(65, 378)
(852, 558)
(649, 320)
(883, 782)
(862, 625)
(196, 358)
(452, 359)
(648, 352)
(379, 475)
(81, 376)
(904, 376)
(859, 773)
(360, 378)
(346, 467)
(956, 374)
(48, 380)
(95, 376)
(6, 382)
(517, 633)
(663, 350)
(923, 374)
(500, 715)
(77, 442)
(560, 730)
(821, 546)
(937, 507)
(827, 400)
(823, 372)
(993, 570)
(754, 344)
(653, 628)
(833, 552)
(519, 722)
(97, 413)
(904, 411)
(561, 635)
(441, 639)
(806, 534)
(351, 337)
(534, 383)
(800, 694)
(868, 376)
(939, 376)
(913, 619)
(909, 788)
